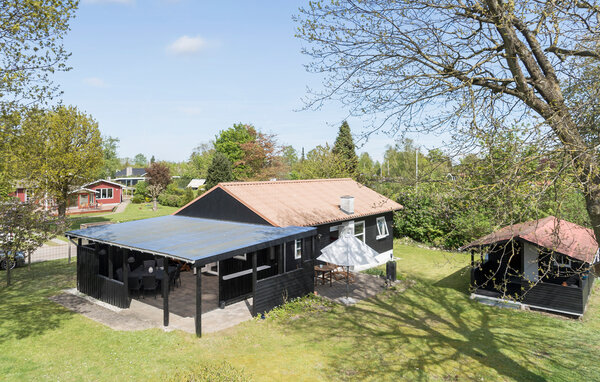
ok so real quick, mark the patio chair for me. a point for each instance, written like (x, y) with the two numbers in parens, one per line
(176, 276)
(149, 263)
(149, 283)
(339, 273)
(119, 274)
(134, 284)
(160, 262)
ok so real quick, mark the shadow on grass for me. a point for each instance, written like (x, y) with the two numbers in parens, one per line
(459, 281)
(24, 307)
(432, 333)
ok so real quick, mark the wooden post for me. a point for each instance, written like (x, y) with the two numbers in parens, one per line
(165, 288)
(198, 317)
(69, 258)
(280, 260)
(110, 254)
(284, 257)
(125, 253)
(254, 279)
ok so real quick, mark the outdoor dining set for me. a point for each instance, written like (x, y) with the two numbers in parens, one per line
(149, 276)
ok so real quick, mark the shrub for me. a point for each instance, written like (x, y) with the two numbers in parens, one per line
(169, 200)
(138, 198)
(141, 188)
(223, 372)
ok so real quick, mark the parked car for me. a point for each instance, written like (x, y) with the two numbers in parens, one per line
(18, 261)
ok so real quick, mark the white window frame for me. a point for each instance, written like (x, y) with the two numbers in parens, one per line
(298, 249)
(99, 192)
(243, 257)
(563, 262)
(381, 235)
(360, 236)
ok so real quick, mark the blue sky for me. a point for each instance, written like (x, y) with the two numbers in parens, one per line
(166, 75)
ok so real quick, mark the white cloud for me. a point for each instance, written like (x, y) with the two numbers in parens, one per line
(109, 1)
(95, 82)
(186, 45)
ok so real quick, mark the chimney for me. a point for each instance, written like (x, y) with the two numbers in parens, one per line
(128, 171)
(347, 204)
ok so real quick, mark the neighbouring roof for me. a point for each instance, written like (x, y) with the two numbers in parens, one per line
(83, 190)
(196, 183)
(307, 202)
(131, 171)
(191, 239)
(103, 181)
(558, 235)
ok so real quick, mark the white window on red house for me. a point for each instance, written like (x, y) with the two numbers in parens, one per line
(104, 193)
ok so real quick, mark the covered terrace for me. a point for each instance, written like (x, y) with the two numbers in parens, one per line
(242, 260)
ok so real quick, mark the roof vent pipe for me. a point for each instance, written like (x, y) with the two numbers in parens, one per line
(347, 204)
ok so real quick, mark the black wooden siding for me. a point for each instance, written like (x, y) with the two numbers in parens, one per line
(219, 205)
(240, 287)
(91, 283)
(274, 291)
(552, 296)
(382, 245)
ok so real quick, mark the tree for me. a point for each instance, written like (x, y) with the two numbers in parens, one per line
(111, 161)
(24, 227)
(152, 160)
(158, 177)
(31, 34)
(344, 148)
(229, 142)
(140, 160)
(320, 162)
(462, 66)
(62, 149)
(200, 160)
(219, 171)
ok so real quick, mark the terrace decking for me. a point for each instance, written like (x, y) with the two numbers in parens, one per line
(365, 286)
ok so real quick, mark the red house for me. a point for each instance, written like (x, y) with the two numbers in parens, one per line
(99, 192)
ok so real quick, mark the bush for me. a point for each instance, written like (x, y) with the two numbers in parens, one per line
(169, 200)
(188, 196)
(223, 372)
(138, 198)
(141, 188)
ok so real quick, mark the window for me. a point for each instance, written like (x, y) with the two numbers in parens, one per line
(298, 250)
(359, 230)
(562, 262)
(382, 229)
(104, 193)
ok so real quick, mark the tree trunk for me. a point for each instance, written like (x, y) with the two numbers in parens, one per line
(154, 206)
(6, 258)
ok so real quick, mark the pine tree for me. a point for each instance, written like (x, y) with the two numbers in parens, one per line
(218, 171)
(344, 148)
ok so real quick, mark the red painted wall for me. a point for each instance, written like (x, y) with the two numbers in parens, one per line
(116, 192)
(20, 193)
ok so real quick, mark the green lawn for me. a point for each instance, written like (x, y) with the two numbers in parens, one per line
(430, 331)
(132, 212)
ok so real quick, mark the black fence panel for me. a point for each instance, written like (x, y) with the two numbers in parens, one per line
(276, 290)
(91, 283)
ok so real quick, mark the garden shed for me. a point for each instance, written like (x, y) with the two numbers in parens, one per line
(543, 264)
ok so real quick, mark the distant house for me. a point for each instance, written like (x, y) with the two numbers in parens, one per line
(332, 206)
(544, 264)
(195, 184)
(99, 192)
(130, 176)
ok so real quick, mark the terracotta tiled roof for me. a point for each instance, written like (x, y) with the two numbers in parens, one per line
(307, 202)
(558, 235)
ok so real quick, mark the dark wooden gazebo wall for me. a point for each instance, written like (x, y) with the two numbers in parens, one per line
(547, 294)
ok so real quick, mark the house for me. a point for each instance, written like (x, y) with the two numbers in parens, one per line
(130, 176)
(99, 192)
(237, 242)
(331, 206)
(543, 264)
(195, 184)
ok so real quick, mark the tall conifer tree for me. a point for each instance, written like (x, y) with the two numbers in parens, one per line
(344, 148)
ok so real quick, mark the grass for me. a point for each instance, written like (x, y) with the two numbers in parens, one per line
(132, 212)
(428, 331)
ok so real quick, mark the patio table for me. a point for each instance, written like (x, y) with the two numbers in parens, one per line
(324, 270)
(140, 271)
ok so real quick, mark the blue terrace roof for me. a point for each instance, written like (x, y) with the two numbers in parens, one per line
(190, 239)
